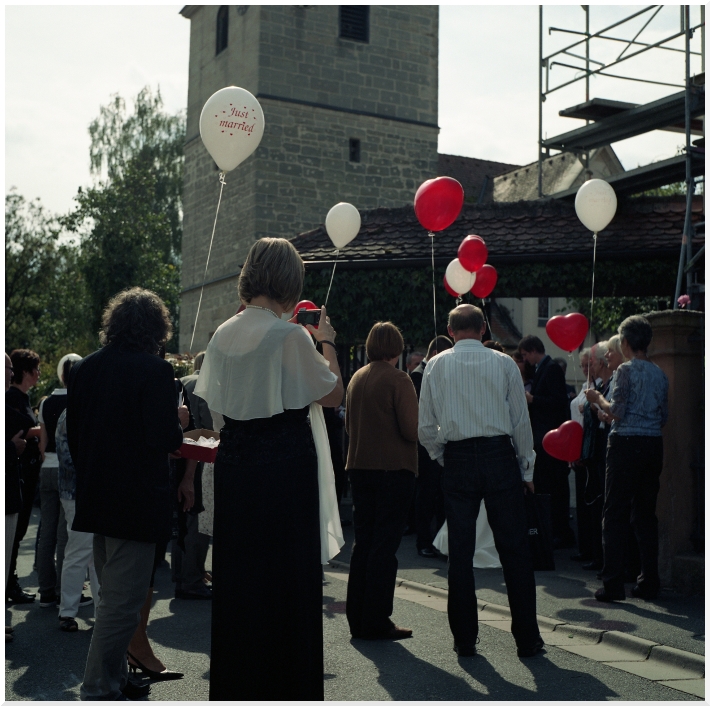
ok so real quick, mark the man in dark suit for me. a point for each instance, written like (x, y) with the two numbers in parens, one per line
(122, 422)
(429, 497)
(549, 408)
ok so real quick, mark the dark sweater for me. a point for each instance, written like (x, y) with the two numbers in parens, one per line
(381, 419)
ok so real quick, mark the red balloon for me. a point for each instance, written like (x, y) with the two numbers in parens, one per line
(447, 287)
(305, 304)
(438, 203)
(568, 332)
(473, 253)
(486, 279)
(564, 443)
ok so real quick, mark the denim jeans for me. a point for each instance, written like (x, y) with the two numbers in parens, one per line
(52, 534)
(486, 468)
(381, 501)
(633, 469)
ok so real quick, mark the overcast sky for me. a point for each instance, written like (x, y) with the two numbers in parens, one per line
(63, 62)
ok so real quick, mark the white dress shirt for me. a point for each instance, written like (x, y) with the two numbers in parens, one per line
(472, 391)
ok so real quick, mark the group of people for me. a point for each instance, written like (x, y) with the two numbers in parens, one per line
(463, 422)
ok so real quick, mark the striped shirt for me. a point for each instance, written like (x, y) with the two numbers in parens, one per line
(471, 391)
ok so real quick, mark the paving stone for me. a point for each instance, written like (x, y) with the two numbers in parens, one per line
(616, 647)
(696, 687)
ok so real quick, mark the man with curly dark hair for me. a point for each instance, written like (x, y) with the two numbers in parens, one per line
(122, 422)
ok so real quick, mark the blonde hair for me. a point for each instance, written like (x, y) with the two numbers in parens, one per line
(273, 269)
(614, 344)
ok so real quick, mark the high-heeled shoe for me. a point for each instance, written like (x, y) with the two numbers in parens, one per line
(166, 675)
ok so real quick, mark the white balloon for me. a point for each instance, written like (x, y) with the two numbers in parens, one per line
(69, 356)
(595, 204)
(231, 126)
(459, 279)
(342, 224)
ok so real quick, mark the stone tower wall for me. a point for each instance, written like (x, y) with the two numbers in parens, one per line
(317, 92)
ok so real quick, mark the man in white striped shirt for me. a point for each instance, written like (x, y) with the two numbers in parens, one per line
(473, 419)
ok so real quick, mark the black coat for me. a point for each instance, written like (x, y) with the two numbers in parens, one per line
(122, 422)
(550, 405)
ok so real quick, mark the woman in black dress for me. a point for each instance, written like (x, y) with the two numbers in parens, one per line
(262, 372)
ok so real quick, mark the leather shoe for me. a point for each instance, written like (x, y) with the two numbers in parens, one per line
(195, 594)
(592, 566)
(462, 651)
(639, 592)
(531, 651)
(19, 596)
(606, 596)
(393, 633)
(135, 691)
(428, 552)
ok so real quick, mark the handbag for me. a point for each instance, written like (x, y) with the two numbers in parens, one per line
(539, 521)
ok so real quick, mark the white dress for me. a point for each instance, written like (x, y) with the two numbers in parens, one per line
(486, 556)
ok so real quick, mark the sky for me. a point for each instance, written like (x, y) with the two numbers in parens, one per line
(63, 62)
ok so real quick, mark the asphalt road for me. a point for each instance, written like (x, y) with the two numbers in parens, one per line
(44, 663)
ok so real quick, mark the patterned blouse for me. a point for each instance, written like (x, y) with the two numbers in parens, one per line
(639, 397)
(67, 472)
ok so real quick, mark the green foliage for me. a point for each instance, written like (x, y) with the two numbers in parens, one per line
(359, 298)
(128, 240)
(45, 291)
(609, 312)
(149, 137)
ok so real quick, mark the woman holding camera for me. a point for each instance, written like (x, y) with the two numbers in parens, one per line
(261, 372)
(637, 410)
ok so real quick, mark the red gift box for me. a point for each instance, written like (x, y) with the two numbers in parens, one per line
(199, 453)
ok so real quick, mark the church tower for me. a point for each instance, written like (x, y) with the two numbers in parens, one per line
(349, 95)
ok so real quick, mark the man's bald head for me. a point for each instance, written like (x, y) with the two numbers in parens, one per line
(466, 321)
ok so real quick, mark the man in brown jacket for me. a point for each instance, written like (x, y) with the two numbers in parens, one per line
(381, 420)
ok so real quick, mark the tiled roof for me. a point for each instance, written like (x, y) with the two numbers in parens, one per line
(514, 232)
(472, 173)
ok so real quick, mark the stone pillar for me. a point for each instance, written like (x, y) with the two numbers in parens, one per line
(678, 349)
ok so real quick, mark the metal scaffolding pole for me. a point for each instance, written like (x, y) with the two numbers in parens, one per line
(686, 248)
(540, 99)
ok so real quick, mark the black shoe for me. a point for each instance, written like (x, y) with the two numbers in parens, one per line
(533, 650)
(48, 600)
(464, 651)
(393, 633)
(606, 596)
(135, 691)
(592, 566)
(18, 596)
(428, 552)
(85, 600)
(639, 592)
(165, 675)
(198, 594)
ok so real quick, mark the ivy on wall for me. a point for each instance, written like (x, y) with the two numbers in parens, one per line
(359, 298)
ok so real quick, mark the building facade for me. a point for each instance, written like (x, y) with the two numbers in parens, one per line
(350, 97)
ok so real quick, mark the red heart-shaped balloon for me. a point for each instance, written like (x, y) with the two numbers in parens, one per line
(305, 304)
(568, 332)
(438, 203)
(472, 253)
(447, 287)
(486, 279)
(564, 443)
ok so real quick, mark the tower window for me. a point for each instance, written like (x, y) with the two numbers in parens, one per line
(222, 28)
(355, 22)
(354, 149)
(543, 311)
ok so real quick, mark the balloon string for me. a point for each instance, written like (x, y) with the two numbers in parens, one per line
(433, 282)
(222, 182)
(591, 307)
(337, 253)
(485, 314)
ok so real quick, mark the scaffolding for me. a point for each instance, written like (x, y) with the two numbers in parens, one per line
(608, 121)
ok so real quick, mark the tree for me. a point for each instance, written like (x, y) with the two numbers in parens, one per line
(130, 221)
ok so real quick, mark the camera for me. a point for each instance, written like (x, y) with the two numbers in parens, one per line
(308, 316)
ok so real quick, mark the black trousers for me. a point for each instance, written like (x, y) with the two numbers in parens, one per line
(633, 469)
(551, 477)
(381, 501)
(487, 468)
(30, 479)
(429, 505)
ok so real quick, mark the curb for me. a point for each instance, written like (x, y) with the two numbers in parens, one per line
(637, 648)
